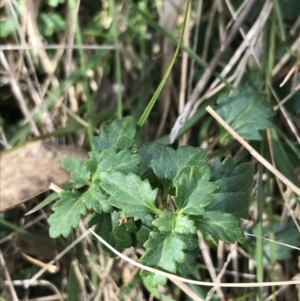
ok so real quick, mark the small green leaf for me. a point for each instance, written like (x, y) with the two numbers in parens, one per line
(219, 226)
(95, 199)
(184, 225)
(233, 186)
(7, 27)
(80, 176)
(51, 23)
(165, 222)
(67, 213)
(110, 227)
(130, 194)
(163, 251)
(246, 111)
(173, 163)
(170, 221)
(118, 134)
(193, 194)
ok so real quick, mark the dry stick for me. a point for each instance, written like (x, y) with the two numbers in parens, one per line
(184, 70)
(49, 267)
(14, 233)
(220, 256)
(294, 27)
(55, 188)
(231, 272)
(33, 85)
(253, 152)
(80, 279)
(249, 39)
(210, 267)
(22, 38)
(202, 283)
(289, 96)
(235, 262)
(208, 30)
(8, 279)
(210, 93)
(219, 277)
(182, 118)
(184, 64)
(221, 21)
(18, 94)
(290, 123)
(285, 58)
(40, 283)
(71, 30)
(238, 11)
(274, 241)
(195, 43)
(56, 258)
(34, 38)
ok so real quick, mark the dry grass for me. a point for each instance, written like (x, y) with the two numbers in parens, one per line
(61, 85)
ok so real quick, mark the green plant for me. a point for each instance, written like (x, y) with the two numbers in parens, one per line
(155, 197)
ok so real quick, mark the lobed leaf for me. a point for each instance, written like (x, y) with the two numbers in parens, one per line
(173, 163)
(184, 225)
(246, 111)
(130, 194)
(193, 194)
(163, 251)
(171, 221)
(233, 186)
(67, 213)
(118, 134)
(80, 176)
(219, 226)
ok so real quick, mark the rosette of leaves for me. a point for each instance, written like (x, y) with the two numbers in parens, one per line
(153, 197)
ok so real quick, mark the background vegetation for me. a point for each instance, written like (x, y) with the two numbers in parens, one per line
(67, 66)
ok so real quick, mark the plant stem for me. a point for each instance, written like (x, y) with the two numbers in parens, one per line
(162, 83)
